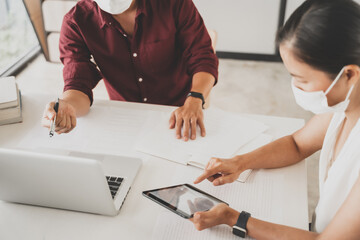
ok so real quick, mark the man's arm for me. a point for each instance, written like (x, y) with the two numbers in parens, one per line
(79, 100)
(80, 77)
(190, 114)
(203, 82)
(202, 65)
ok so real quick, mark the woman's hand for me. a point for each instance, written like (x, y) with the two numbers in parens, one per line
(222, 171)
(65, 119)
(220, 214)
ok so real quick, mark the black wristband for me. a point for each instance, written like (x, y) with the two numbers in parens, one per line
(239, 229)
(197, 95)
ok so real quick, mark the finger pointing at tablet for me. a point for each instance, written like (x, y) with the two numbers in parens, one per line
(221, 171)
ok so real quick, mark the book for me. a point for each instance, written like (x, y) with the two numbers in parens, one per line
(10, 101)
(8, 93)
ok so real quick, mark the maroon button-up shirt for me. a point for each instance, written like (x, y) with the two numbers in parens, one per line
(169, 45)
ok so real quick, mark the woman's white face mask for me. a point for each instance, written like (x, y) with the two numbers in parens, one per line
(114, 6)
(317, 102)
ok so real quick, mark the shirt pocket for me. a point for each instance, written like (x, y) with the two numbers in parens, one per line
(161, 55)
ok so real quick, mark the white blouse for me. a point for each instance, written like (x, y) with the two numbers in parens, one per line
(336, 182)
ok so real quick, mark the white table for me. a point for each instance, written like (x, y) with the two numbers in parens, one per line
(138, 215)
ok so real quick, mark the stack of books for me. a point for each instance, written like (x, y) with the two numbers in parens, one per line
(10, 101)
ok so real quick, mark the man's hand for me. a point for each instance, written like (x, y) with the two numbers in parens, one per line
(65, 120)
(187, 118)
(220, 214)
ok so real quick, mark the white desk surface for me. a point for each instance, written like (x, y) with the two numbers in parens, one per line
(138, 215)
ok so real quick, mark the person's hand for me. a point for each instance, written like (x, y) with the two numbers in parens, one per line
(220, 214)
(199, 205)
(222, 171)
(65, 119)
(187, 118)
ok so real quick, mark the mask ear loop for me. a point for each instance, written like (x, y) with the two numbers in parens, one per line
(335, 81)
(349, 93)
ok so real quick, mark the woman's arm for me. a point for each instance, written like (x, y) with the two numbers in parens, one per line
(345, 225)
(283, 152)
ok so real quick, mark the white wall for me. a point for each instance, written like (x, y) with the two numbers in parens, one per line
(293, 4)
(291, 7)
(246, 26)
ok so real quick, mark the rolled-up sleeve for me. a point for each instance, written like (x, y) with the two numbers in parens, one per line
(79, 72)
(195, 40)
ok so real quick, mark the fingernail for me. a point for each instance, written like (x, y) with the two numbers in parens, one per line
(178, 136)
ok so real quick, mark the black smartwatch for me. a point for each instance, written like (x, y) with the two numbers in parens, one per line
(239, 229)
(197, 95)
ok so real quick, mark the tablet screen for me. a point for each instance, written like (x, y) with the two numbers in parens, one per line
(184, 200)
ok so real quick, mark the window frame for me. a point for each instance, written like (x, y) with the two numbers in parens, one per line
(21, 62)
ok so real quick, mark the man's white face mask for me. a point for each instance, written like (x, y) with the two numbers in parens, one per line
(317, 102)
(114, 6)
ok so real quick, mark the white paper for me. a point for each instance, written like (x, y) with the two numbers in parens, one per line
(8, 92)
(225, 134)
(201, 160)
(248, 197)
(106, 130)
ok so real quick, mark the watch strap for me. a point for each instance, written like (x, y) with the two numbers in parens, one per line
(239, 229)
(197, 95)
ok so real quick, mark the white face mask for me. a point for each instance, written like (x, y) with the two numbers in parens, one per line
(316, 102)
(114, 6)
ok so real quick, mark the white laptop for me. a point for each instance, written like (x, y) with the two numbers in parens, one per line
(74, 181)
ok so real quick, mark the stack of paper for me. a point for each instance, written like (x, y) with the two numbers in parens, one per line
(10, 101)
(226, 134)
(109, 130)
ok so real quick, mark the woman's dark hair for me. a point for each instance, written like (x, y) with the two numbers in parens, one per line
(324, 34)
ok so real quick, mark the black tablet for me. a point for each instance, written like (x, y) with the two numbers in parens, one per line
(183, 200)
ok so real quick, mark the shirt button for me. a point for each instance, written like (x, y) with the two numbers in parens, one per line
(140, 79)
(145, 99)
(135, 54)
(125, 35)
(110, 23)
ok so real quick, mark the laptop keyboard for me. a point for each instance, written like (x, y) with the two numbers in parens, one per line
(114, 184)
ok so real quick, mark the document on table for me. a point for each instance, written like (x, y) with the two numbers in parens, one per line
(201, 160)
(226, 133)
(107, 130)
(260, 196)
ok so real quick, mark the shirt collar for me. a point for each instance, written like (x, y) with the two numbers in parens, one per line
(141, 8)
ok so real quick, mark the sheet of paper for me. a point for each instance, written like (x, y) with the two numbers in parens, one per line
(225, 134)
(8, 92)
(201, 160)
(249, 197)
(104, 130)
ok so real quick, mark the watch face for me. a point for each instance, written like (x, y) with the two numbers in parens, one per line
(238, 231)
